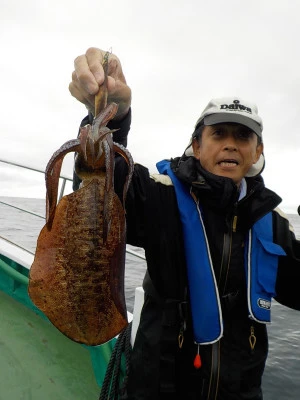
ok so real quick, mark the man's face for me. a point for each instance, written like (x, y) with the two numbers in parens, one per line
(227, 150)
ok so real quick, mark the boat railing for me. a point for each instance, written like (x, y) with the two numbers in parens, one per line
(64, 179)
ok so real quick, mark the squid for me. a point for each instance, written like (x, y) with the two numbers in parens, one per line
(77, 276)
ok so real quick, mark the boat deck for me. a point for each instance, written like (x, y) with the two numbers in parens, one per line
(37, 361)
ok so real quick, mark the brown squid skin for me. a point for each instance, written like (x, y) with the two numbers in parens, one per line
(77, 277)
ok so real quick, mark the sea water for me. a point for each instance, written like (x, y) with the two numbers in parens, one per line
(281, 378)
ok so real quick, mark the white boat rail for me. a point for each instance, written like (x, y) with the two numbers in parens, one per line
(64, 178)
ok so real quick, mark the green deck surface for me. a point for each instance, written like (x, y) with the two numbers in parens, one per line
(37, 362)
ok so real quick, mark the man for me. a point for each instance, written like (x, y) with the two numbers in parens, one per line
(217, 250)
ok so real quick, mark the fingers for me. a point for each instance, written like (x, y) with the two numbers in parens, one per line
(89, 71)
(94, 59)
(88, 76)
(79, 92)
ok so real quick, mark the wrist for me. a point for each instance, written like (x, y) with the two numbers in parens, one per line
(121, 114)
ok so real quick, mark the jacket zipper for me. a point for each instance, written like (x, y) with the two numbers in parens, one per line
(227, 243)
(224, 269)
(215, 360)
(215, 371)
(234, 223)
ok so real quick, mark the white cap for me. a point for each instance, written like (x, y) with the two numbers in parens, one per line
(232, 109)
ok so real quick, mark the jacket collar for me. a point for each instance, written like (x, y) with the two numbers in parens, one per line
(221, 193)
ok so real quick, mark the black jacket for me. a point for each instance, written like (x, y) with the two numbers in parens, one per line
(231, 369)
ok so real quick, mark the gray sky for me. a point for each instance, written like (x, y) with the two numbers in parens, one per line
(176, 56)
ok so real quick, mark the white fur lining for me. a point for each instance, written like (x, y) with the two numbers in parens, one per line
(163, 179)
(283, 215)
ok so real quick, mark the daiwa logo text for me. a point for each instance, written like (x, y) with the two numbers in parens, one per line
(235, 106)
(262, 303)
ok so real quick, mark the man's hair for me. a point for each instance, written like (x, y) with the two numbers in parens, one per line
(198, 132)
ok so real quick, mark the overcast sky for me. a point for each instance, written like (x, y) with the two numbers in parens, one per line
(176, 56)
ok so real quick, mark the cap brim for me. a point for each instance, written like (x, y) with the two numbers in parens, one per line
(220, 118)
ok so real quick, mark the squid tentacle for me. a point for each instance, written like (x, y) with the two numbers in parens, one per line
(52, 174)
(120, 149)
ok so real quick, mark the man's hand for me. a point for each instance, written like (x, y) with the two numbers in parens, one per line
(89, 76)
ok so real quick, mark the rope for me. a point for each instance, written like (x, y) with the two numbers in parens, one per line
(127, 352)
(111, 384)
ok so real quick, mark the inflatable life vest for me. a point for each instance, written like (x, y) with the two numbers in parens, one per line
(261, 263)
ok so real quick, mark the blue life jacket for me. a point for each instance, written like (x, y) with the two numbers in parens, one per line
(261, 263)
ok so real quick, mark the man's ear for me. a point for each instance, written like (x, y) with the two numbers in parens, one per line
(259, 151)
(196, 148)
